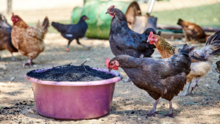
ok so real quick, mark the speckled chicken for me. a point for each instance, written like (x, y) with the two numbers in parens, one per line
(161, 78)
(28, 40)
(201, 59)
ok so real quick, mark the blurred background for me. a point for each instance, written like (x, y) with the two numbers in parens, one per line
(202, 12)
(130, 105)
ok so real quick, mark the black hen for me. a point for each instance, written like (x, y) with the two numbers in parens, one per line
(125, 41)
(72, 31)
(5, 36)
(161, 78)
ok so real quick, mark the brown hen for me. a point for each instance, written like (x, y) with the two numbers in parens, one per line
(192, 31)
(28, 40)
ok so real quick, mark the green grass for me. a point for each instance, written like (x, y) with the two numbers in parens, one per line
(206, 15)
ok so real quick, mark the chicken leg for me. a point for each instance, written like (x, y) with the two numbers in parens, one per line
(67, 48)
(153, 110)
(77, 40)
(28, 63)
(12, 57)
(126, 80)
(194, 84)
(187, 90)
(170, 114)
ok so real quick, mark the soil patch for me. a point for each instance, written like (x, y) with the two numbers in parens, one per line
(70, 73)
(6, 113)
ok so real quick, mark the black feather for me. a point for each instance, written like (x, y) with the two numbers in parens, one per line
(198, 58)
(212, 38)
(75, 30)
(125, 41)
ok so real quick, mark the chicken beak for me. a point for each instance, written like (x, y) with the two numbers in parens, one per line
(148, 40)
(107, 12)
(109, 70)
(87, 18)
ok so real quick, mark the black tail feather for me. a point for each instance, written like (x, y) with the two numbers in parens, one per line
(212, 38)
(1, 17)
(216, 52)
(60, 27)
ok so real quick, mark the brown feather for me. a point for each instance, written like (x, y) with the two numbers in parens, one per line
(29, 40)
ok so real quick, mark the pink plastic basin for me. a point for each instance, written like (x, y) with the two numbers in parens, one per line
(74, 100)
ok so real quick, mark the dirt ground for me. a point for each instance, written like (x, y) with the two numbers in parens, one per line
(130, 105)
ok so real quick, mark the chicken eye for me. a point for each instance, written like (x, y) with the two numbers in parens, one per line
(111, 10)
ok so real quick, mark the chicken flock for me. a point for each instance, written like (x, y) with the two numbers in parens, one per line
(161, 77)
(165, 77)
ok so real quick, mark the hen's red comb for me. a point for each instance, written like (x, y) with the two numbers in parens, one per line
(151, 34)
(13, 15)
(107, 62)
(113, 6)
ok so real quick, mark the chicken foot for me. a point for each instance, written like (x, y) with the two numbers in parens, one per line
(28, 63)
(170, 114)
(77, 40)
(153, 110)
(12, 57)
(126, 80)
(187, 90)
(194, 84)
(67, 48)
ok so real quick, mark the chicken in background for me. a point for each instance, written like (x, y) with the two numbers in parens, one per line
(5, 36)
(217, 69)
(207, 54)
(72, 31)
(161, 78)
(201, 64)
(28, 40)
(192, 31)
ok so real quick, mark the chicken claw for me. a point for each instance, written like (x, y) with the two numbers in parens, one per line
(195, 84)
(12, 57)
(28, 63)
(67, 50)
(186, 91)
(152, 113)
(153, 110)
(87, 47)
(126, 80)
(170, 114)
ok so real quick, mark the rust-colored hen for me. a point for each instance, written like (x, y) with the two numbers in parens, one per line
(28, 40)
(192, 31)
